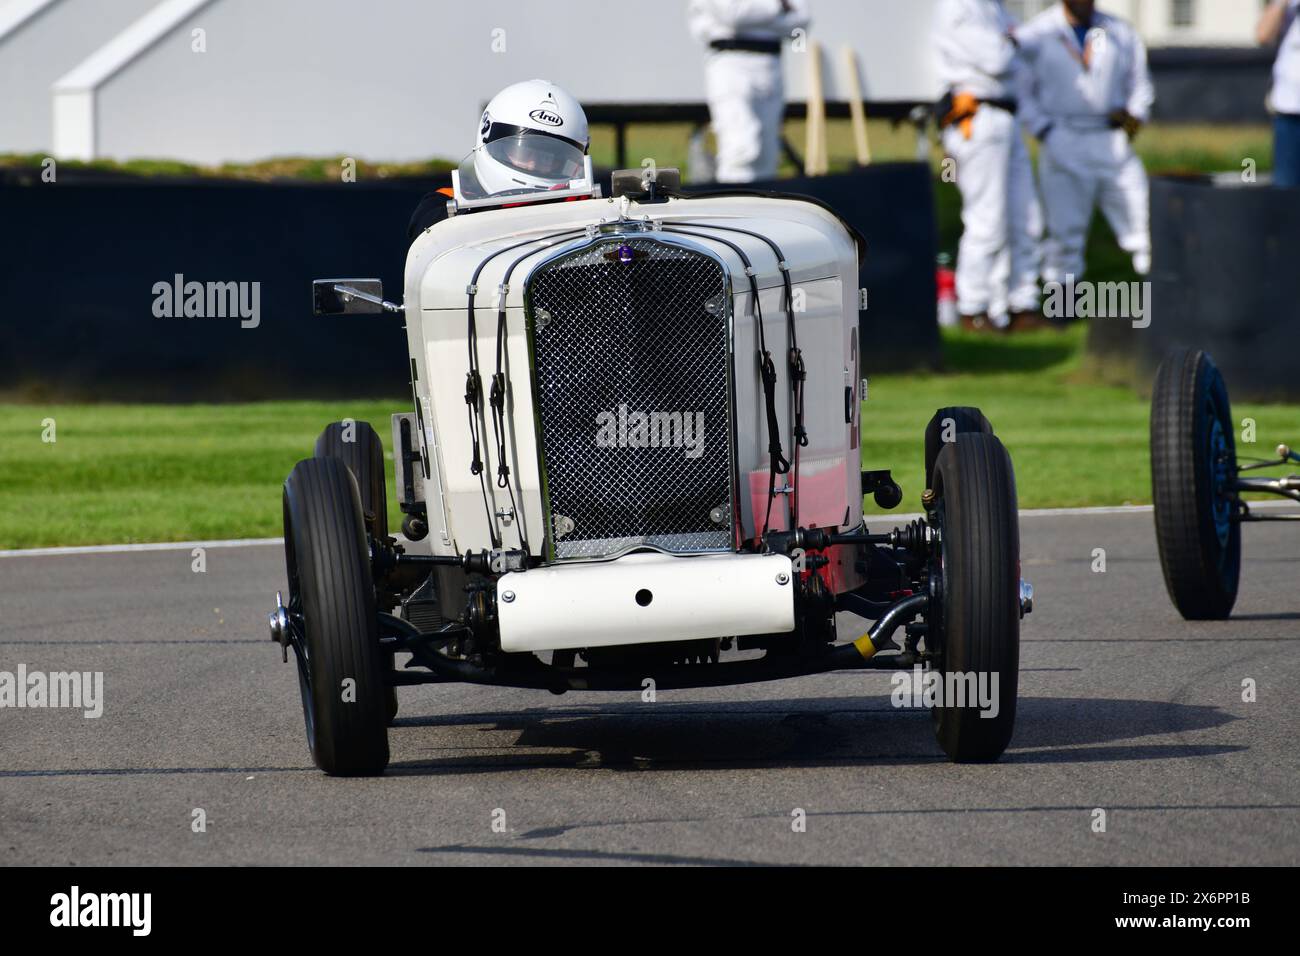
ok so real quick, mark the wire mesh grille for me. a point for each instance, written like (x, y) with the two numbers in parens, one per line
(631, 352)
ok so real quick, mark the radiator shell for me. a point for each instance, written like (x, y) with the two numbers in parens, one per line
(822, 259)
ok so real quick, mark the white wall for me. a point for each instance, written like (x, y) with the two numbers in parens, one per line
(40, 40)
(1214, 22)
(405, 79)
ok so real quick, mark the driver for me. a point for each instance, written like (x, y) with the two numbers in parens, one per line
(532, 137)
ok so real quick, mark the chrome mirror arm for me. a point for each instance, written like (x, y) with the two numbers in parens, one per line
(347, 292)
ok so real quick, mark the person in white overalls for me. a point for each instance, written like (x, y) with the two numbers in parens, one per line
(998, 258)
(743, 80)
(1089, 91)
(1280, 24)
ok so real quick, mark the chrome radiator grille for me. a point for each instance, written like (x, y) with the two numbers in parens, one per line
(631, 360)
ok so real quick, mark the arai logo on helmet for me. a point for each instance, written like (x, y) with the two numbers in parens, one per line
(547, 117)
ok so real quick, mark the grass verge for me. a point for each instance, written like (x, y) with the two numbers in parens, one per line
(131, 473)
(1075, 442)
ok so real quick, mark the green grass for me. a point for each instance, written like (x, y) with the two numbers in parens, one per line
(1165, 147)
(126, 473)
(1074, 442)
(300, 168)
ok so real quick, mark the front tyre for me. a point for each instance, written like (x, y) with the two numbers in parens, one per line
(332, 604)
(359, 447)
(944, 427)
(1193, 465)
(977, 636)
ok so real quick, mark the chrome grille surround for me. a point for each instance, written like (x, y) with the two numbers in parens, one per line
(605, 333)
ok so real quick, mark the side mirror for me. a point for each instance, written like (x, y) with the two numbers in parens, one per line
(350, 297)
(645, 184)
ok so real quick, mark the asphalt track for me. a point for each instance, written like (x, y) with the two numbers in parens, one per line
(1123, 707)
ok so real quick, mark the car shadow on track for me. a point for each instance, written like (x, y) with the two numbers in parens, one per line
(798, 732)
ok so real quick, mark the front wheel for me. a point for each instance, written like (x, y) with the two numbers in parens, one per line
(341, 665)
(976, 630)
(358, 446)
(944, 427)
(1193, 466)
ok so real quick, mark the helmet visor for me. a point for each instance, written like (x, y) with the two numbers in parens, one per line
(537, 156)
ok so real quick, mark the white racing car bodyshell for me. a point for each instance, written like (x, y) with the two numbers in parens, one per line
(746, 592)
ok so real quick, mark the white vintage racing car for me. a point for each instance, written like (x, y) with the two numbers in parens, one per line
(635, 455)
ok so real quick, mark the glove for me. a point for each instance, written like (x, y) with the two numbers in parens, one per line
(962, 112)
(1123, 119)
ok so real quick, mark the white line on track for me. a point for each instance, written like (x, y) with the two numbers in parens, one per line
(127, 548)
(878, 518)
(871, 519)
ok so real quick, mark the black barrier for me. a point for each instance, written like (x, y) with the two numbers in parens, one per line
(82, 263)
(1224, 279)
(1211, 84)
(89, 278)
(892, 205)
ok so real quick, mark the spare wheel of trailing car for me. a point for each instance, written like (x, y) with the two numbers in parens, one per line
(341, 666)
(976, 627)
(944, 427)
(358, 446)
(1193, 465)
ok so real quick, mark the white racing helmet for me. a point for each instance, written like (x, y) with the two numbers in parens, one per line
(533, 136)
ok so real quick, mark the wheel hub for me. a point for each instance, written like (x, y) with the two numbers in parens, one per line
(1026, 597)
(1221, 497)
(278, 621)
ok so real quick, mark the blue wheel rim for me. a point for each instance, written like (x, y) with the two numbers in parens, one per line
(1217, 460)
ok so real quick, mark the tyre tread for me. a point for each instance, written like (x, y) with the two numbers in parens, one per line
(1178, 487)
(982, 632)
(341, 617)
